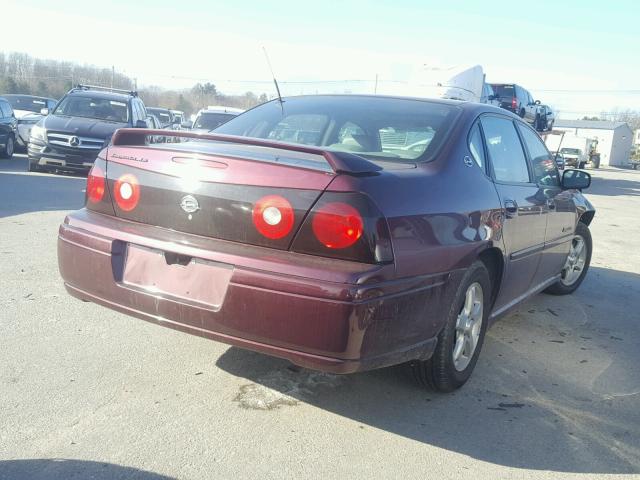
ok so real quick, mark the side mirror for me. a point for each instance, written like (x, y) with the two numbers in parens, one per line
(141, 124)
(492, 97)
(537, 102)
(44, 111)
(575, 179)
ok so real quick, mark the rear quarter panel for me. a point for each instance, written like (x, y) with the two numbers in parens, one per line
(441, 214)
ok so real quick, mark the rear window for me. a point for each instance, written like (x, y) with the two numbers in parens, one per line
(26, 102)
(209, 121)
(379, 128)
(505, 90)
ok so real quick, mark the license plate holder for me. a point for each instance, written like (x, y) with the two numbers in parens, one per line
(200, 282)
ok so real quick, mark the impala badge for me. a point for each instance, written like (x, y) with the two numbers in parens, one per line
(189, 204)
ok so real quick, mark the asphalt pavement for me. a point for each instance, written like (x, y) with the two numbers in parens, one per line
(89, 393)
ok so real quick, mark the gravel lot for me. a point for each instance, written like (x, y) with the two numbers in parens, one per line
(89, 393)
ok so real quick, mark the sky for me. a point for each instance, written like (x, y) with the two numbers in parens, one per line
(581, 57)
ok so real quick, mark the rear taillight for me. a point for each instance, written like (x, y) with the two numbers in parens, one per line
(273, 216)
(96, 184)
(127, 192)
(348, 226)
(514, 103)
(337, 225)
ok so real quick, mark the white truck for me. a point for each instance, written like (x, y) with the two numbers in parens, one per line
(576, 151)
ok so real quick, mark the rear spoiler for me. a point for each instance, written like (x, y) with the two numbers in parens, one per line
(340, 162)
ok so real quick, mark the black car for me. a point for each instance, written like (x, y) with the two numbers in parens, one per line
(81, 124)
(29, 110)
(518, 100)
(8, 129)
(166, 117)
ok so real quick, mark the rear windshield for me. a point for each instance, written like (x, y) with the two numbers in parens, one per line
(373, 127)
(26, 102)
(163, 115)
(98, 108)
(504, 90)
(209, 121)
(571, 151)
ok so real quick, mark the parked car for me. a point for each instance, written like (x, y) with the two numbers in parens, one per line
(8, 129)
(80, 125)
(559, 158)
(29, 110)
(338, 252)
(179, 118)
(517, 99)
(165, 116)
(212, 117)
(545, 117)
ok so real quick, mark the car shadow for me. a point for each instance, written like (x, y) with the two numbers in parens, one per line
(49, 469)
(553, 389)
(614, 187)
(24, 193)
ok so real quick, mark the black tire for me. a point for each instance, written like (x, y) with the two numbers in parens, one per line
(439, 372)
(9, 148)
(539, 125)
(521, 113)
(560, 287)
(550, 127)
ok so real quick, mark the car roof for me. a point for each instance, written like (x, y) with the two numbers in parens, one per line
(12, 95)
(463, 105)
(221, 109)
(98, 94)
(158, 109)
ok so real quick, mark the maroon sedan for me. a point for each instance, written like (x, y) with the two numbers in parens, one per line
(343, 233)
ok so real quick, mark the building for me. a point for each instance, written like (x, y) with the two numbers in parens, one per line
(636, 137)
(614, 138)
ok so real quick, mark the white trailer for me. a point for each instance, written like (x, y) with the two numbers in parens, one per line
(454, 83)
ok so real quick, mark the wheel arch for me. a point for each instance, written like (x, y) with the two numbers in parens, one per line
(493, 260)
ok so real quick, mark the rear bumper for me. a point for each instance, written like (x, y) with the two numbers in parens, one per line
(322, 314)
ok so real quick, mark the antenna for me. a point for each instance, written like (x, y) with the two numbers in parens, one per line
(266, 56)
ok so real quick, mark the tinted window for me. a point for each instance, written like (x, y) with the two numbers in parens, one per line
(212, 120)
(27, 102)
(476, 147)
(505, 150)
(372, 127)
(544, 168)
(99, 108)
(4, 109)
(504, 90)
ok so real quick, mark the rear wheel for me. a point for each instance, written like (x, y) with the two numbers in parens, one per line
(460, 341)
(577, 263)
(9, 147)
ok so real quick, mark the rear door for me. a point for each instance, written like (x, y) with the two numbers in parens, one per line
(5, 121)
(560, 209)
(524, 222)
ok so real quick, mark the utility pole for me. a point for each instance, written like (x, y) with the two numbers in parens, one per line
(375, 88)
(113, 73)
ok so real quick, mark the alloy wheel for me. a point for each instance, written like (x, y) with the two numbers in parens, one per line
(576, 260)
(468, 326)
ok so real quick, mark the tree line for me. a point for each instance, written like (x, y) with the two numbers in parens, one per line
(22, 73)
